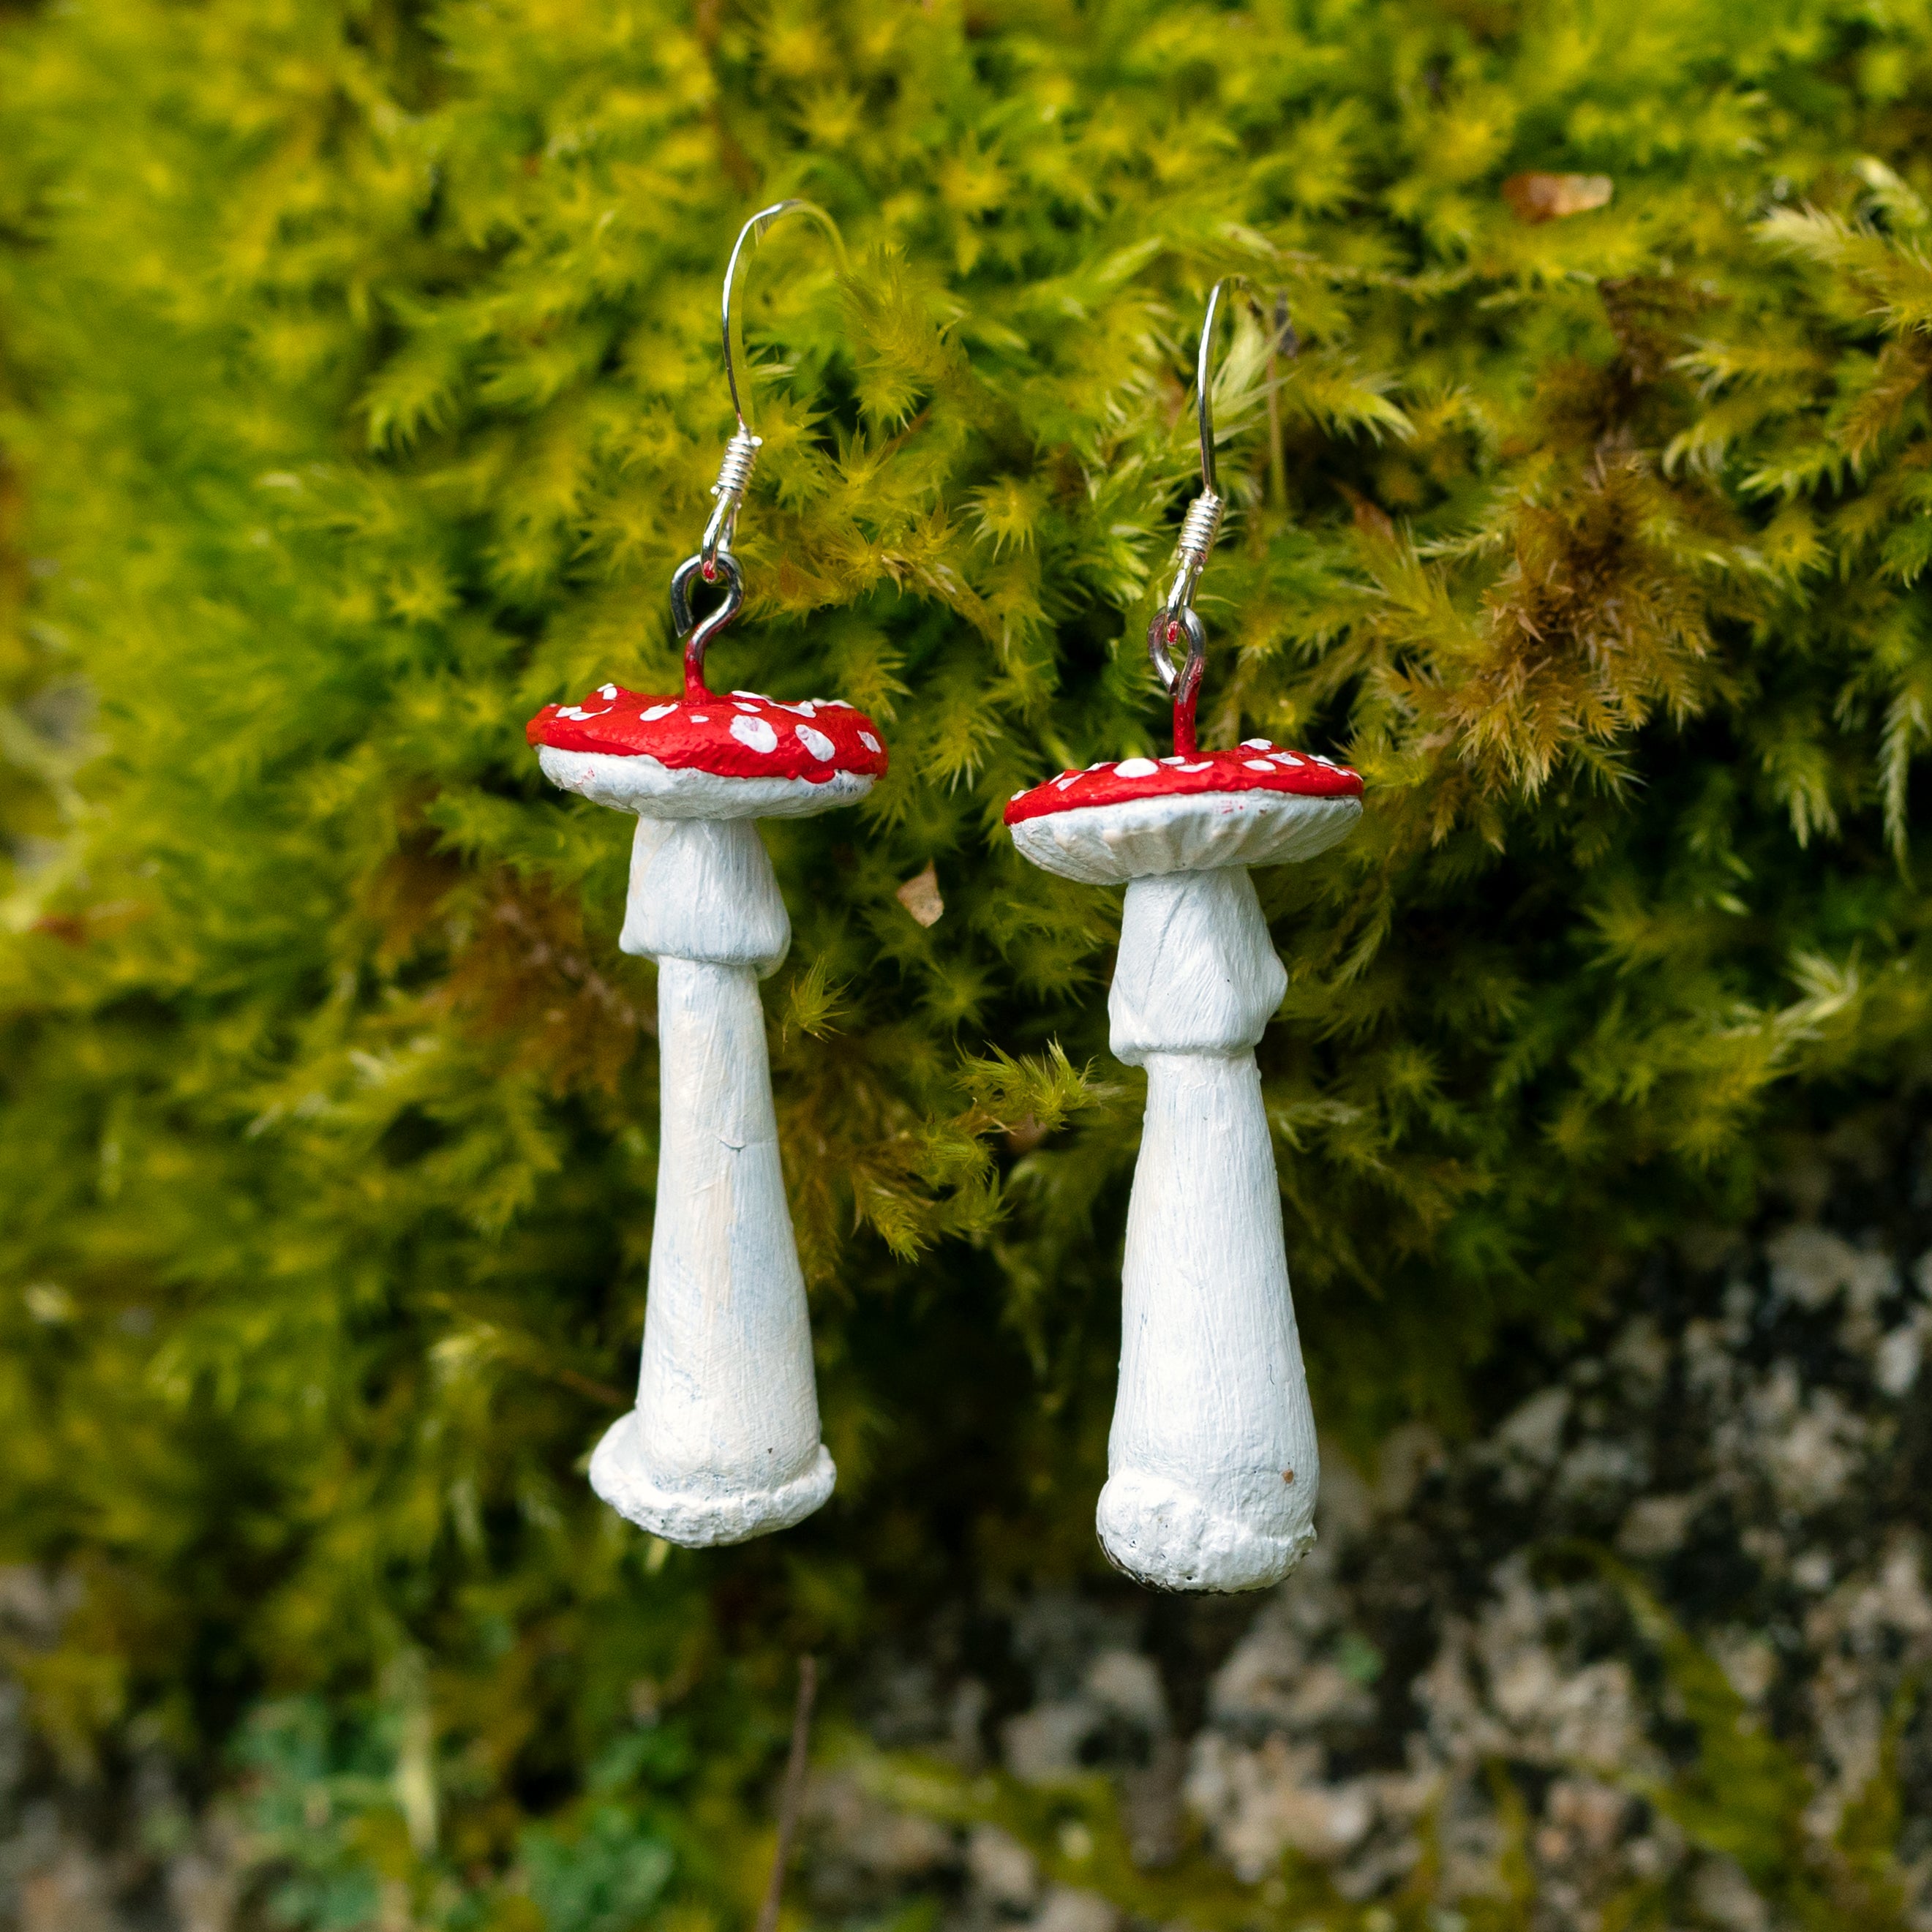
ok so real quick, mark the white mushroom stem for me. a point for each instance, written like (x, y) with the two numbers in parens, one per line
(1212, 1471)
(724, 1443)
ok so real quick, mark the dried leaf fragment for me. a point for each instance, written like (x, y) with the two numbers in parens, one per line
(920, 895)
(1540, 197)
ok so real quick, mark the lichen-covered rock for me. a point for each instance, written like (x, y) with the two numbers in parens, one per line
(1502, 1652)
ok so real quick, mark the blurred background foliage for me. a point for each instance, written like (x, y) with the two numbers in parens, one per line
(360, 390)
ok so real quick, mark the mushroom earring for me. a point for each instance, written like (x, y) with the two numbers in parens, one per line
(1211, 1466)
(723, 1444)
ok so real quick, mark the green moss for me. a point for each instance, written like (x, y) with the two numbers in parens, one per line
(362, 392)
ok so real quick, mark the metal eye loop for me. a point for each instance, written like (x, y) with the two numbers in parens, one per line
(698, 635)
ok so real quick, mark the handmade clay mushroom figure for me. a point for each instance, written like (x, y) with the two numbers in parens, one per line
(723, 1442)
(1212, 1468)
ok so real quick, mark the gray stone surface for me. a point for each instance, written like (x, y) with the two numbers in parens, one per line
(1752, 1442)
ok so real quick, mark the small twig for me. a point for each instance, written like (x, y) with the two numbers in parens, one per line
(792, 1800)
(588, 1385)
(1282, 339)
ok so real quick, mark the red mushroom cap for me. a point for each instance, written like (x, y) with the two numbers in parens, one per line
(740, 734)
(1255, 766)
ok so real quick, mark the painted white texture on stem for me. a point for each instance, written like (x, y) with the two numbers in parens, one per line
(724, 1444)
(1196, 972)
(1212, 1466)
(636, 782)
(1108, 844)
(703, 889)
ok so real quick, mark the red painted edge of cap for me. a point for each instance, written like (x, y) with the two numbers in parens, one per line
(739, 734)
(1255, 766)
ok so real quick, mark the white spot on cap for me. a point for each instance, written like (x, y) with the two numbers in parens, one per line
(1135, 768)
(870, 743)
(700, 717)
(1176, 760)
(656, 712)
(607, 691)
(1065, 779)
(1205, 764)
(758, 694)
(1257, 744)
(1256, 765)
(571, 711)
(1321, 760)
(755, 732)
(1285, 757)
(816, 742)
(838, 703)
(748, 707)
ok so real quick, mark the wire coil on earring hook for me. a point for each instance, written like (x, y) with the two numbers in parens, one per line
(714, 560)
(1202, 523)
(734, 478)
(740, 459)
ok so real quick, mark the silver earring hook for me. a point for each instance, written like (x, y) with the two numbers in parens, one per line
(714, 560)
(1175, 618)
(1204, 386)
(741, 453)
(733, 325)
